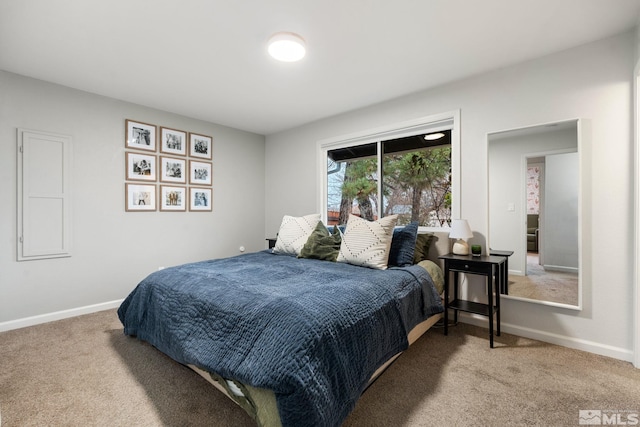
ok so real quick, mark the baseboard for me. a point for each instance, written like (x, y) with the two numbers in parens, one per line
(557, 339)
(561, 268)
(58, 315)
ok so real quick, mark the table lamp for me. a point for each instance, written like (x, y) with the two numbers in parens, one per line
(461, 231)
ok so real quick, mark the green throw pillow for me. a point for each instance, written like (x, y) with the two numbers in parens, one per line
(423, 243)
(321, 244)
(435, 272)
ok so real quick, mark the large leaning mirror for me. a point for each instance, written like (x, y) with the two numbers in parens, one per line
(534, 210)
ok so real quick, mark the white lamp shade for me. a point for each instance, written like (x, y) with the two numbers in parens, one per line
(287, 47)
(460, 229)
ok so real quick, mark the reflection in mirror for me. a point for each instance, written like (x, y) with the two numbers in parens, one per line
(534, 200)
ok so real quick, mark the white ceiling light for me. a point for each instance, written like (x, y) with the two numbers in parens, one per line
(287, 47)
(433, 136)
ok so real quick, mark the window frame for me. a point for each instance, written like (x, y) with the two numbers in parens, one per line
(443, 121)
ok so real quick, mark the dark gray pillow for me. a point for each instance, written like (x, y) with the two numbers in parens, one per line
(403, 245)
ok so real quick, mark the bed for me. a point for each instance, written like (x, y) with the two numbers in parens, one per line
(293, 340)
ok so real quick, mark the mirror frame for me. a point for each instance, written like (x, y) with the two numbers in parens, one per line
(583, 180)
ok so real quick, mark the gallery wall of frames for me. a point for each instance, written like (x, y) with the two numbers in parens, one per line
(167, 169)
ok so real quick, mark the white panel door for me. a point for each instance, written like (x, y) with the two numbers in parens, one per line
(44, 195)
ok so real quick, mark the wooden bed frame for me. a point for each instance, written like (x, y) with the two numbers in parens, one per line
(440, 246)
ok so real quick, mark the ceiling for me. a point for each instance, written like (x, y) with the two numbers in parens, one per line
(207, 59)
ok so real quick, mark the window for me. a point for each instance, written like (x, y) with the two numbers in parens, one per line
(416, 179)
(407, 169)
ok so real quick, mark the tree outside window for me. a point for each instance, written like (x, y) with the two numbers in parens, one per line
(416, 181)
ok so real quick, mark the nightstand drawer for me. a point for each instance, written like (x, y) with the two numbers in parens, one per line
(470, 266)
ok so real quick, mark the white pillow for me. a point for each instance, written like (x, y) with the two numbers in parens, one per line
(294, 232)
(367, 243)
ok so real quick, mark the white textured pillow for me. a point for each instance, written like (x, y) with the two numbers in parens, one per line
(367, 243)
(294, 232)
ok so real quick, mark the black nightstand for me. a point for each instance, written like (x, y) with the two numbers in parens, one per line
(489, 266)
(272, 242)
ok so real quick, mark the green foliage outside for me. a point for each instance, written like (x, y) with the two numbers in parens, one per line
(416, 186)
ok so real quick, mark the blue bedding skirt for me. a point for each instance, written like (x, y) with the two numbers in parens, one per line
(311, 331)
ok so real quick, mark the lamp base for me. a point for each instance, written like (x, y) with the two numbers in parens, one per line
(460, 247)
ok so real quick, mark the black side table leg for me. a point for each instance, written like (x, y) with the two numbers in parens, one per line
(499, 279)
(446, 300)
(490, 303)
(456, 280)
(505, 277)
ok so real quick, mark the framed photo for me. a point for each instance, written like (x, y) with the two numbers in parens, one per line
(199, 199)
(140, 136)
(173, 141)
(173, 170)
(199, 172)
(173, 198)
(141, 167)
(200, 146)
(140, 197)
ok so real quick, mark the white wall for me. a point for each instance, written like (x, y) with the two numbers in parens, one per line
(112, 249)
(592, 82)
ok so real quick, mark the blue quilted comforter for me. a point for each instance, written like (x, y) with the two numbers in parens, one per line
(312, 331)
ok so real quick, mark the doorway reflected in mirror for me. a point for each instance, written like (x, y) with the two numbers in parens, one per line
(534, 210)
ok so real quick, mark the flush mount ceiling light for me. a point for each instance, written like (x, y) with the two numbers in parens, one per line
(433, 136)
(287, 47)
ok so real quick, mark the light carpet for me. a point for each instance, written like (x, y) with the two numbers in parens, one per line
(544, 285)
(84, 372)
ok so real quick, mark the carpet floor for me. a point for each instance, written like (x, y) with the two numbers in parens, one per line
(542, 285)
(84, 372)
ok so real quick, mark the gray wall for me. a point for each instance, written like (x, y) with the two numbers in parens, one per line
(112, 249)
(593, 82)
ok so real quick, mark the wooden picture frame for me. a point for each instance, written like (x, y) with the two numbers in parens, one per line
(140, 197)
(173, 199)
(173, 141)
(141, 167)
(200, 199)
(140, 136)
(200, 146)
(173, 170)
(200, 172)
